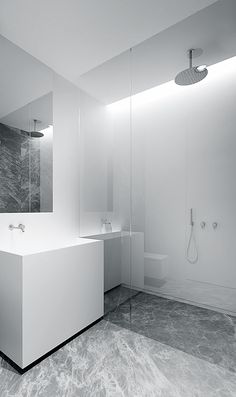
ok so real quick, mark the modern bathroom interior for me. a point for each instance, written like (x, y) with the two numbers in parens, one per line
(118, 213)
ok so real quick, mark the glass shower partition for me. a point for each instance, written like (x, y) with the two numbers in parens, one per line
(105, 166)
(183, 162)
(157, 164)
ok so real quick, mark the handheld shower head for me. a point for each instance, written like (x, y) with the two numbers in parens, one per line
(193, 74)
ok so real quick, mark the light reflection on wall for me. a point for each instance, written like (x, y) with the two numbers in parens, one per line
(170, 88)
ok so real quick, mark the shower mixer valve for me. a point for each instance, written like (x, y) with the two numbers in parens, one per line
(214, 225)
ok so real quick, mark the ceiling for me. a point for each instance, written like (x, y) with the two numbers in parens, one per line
(22, 78)
(158, 59)
(74, 36)
(39, 109)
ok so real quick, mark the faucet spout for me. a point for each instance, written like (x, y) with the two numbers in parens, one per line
(20, 227)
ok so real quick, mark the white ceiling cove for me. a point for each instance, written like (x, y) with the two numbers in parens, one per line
(158, 59)
(74, 36)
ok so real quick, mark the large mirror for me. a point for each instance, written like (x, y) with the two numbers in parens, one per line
(26, 132)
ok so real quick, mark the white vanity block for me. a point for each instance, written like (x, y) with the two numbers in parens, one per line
(112, 258)
(123, 258)
(155, 265)
(47, 296)
(133, 259)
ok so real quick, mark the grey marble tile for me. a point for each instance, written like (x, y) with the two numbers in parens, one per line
(111, 361)
(19, 171)
(200, 332)
(117, 296)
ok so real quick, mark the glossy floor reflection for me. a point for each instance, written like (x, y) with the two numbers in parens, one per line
(203, 333)
(116, 296)
(108, 360)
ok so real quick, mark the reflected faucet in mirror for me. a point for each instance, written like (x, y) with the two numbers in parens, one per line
(20, 227)
(106, 226)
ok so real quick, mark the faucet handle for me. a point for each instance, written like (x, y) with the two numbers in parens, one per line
(21, 227)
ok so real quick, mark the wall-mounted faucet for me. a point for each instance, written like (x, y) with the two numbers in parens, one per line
(20, 227)
(214, 225)
(106, 226)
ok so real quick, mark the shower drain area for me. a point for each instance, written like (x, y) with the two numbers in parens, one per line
(201, 332)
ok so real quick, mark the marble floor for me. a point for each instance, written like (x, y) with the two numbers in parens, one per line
(203, 333)
(205, 294)
(116, 296)
(108, 360)
(164, 349)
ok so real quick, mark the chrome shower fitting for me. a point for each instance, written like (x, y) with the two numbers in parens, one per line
(191, 241)
(214, 225)
(193, 74)
(203, 224)
(191, 217)
(20, 227)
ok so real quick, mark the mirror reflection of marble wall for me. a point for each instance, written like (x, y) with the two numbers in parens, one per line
(26, 132)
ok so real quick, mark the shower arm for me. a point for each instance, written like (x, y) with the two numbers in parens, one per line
(190, 59)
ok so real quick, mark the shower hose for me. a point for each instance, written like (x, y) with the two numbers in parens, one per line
(191, 241)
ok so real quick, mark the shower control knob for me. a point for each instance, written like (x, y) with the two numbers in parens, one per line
(203, 224)
(214, 225)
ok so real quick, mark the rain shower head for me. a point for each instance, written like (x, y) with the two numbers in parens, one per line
(190, 76)
(34, 133)
(193, 74)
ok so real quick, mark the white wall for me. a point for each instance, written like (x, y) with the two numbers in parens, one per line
(211, 184)
(183, 148)
(102, 167)
(190, 163)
